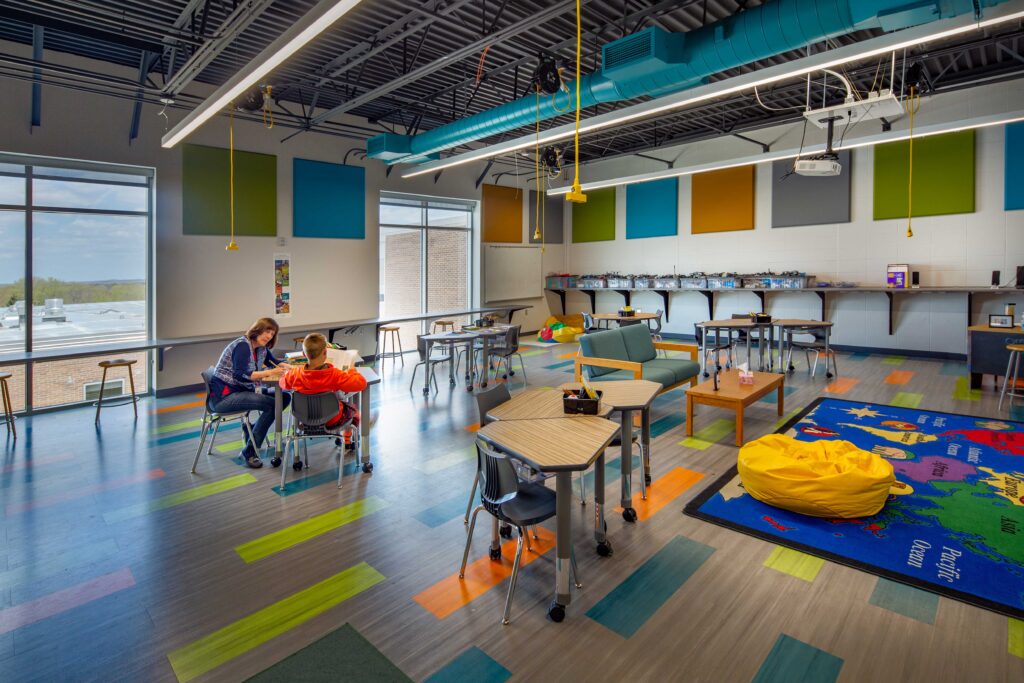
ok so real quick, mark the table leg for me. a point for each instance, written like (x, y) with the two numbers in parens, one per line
(689, 415)
(625, 436)
(364, 429)
(976, 379)
(782, 346)
(278, 421)
(563, 545)
(704, 352)
(828, 335)
(748, 346)
(739, 425)
(452, 353)
(426, 375)
(485, 348)
(782, 398)
(645, 439)
(770, 346)
(604, 546)
(470, 364)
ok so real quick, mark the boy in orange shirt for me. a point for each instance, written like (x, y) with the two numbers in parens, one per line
(318, 376)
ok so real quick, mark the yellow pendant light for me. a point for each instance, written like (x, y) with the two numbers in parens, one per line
(576, 193)
(232, 245)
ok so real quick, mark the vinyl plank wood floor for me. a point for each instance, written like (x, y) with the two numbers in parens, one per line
(78, 505)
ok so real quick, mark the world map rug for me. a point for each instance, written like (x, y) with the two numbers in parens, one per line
(953, 523)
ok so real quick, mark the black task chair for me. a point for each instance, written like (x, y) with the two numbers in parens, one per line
(421, 349)
(504, 352)
(510, 501)
(211, 418)
(712, 347)
(817, 346)
(589, 324)
(485, 402)
(309, 418)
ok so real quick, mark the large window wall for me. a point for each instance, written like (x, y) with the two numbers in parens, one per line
(425, 258)
(75, 271)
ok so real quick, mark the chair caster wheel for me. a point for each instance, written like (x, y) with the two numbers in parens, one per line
(707, 374)
(275, 462)
(504, 376)
(512, 372)
(350, 446)
(828, 375)
(367, 467)
(647, 479)
(505, 531)
(556, 612)
(469, 389)
(629, 514)
(297, 465)
(495, 553)
(451, 382)
(604, 549)
(426, 392)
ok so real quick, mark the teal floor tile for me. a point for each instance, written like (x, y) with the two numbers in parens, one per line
(773, 397)
(444, 511)
(472, 665)
(906, 600)
(342, 655)
(953, 368)
(794, 660)
(858, 356)
(666, 424)
(563, 364)
(630, 604)
(304, 483)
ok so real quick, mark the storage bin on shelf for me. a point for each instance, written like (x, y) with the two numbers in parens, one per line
(591, 283)
(644, 282)
(620, 282)
(724, 282)
(560, 281)
(666, 282)
(693, 282)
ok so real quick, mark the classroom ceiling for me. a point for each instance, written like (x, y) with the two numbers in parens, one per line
(391, 62)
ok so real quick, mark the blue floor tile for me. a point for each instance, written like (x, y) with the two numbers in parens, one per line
(472, 665)
(444, 511)
(794, 660)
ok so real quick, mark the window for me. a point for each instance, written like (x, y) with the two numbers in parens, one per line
(75, 270)
(425, 257)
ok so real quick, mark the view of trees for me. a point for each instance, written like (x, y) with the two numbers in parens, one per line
(72, 292)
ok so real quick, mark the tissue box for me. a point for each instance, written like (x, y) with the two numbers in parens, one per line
(746, 377)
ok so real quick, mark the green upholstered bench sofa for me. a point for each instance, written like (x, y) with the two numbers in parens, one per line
(631, 353)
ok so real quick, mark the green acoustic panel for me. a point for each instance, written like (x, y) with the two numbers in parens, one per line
(595, 220)
(943, 176)
(205, 191)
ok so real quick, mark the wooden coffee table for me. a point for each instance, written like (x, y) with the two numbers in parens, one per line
(732, 394)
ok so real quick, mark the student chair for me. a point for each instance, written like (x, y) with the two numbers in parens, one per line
(310, 415)
(421, 349)
(818, 347)
(655, 325)
(211, 418)
(504, 353)
(589, 324)
(485, 402)
(5, 394)
(119, 363)
(511, 501)
(712, 348)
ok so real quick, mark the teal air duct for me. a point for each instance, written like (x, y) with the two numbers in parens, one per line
(654, 62)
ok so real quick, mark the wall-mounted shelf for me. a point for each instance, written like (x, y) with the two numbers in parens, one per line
(891, 294)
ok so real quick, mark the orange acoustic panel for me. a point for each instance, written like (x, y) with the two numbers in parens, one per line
(502, 214)
(723, 200)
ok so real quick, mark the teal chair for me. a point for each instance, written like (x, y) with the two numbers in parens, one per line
(631, 353)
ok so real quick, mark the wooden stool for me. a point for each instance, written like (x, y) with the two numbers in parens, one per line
(391, 330)
(119, 363)
(444, 325)
(1012, 365)
(5, 394)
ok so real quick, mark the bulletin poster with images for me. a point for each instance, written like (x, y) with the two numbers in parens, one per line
(282, 285)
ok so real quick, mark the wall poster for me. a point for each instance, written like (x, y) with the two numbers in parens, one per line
(282, 286)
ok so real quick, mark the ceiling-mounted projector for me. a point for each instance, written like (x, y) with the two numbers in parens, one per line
(824, 165)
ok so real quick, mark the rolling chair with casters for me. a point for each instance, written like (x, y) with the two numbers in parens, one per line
(504, 353)
(655, 326)
(818, 347)
(516, 503)
(309, 418)
(211, 418)
(421, 349)
(589, 324)
(712, 349)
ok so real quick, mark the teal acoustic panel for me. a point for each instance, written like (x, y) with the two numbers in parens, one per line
(652, 209)
(328, 200)
(1014, 176)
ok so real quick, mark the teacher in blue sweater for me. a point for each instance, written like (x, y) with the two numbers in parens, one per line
(238, 382)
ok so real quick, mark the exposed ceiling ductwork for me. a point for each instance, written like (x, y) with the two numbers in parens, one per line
(654, 62)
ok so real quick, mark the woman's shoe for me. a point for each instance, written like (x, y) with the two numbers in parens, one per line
(252, 461)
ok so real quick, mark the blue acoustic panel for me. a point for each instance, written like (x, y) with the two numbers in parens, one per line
(328, 200)
(652, 209)
(1014, 197)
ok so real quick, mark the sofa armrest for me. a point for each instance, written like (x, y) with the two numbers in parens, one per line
(692, 349)
(635, 368)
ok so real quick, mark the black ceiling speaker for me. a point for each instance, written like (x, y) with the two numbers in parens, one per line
(546, 76)
(915, 77)
(551, 158)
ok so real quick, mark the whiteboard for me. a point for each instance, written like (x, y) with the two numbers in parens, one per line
(512, 272)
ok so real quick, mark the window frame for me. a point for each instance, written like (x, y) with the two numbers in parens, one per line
(29, 208)
(425, 203)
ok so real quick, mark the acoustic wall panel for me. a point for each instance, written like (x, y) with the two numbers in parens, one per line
(502, 214)
(723, 200)
(943, 176)
(553, 210)
(205, 192)
(652, 209)
(328, 200)
(595, 220)
(804, 200)
(1014, 177)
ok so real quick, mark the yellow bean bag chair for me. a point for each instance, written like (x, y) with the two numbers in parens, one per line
(566, 334)
(823, 478)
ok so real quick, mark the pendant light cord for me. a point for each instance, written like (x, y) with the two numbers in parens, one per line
(913, 105)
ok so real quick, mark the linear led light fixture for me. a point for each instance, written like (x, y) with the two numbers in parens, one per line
(288, 43)
(869, 141)
(890, 42)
